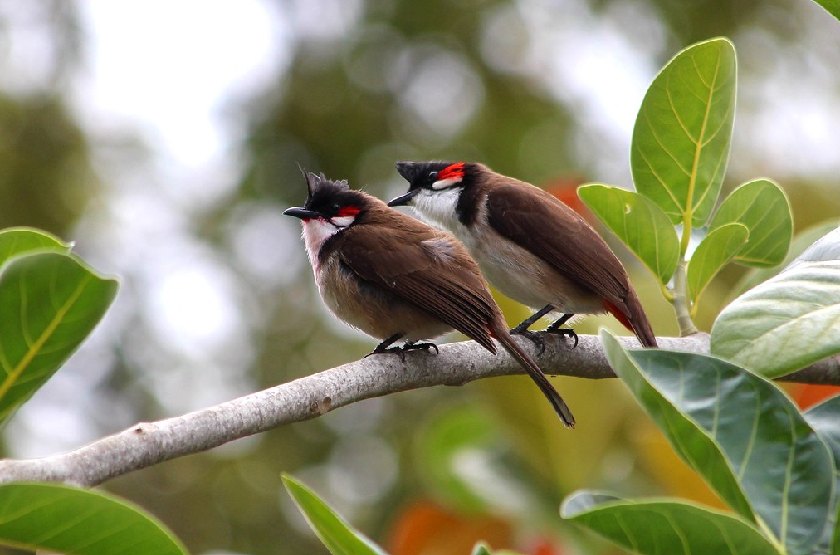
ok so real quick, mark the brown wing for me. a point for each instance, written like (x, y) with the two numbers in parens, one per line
(426, 268)
(554, 232)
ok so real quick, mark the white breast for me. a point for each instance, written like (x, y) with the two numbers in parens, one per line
(315, 232)
(438, 207)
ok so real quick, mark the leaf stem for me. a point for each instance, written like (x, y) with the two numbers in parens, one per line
(686, 234)
(680, 300)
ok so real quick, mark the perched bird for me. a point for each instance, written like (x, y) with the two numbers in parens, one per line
(531, 246)
(395, 277)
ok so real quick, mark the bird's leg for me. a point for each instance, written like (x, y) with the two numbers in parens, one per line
(529, 321)
(385, 346)
(414, 345)
(522, 328)
(568, 332)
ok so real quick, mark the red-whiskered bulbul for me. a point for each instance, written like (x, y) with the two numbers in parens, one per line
(395, 277)
(529, 244)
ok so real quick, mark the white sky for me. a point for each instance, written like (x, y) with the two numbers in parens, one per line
(168, 68)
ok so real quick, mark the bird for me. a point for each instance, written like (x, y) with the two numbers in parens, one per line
(530, 245)
(396, 278)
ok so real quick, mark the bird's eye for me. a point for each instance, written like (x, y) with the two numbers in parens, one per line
(335, 207)
(433, 175)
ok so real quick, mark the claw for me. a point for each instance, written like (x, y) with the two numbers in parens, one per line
(388, 350)
(426, 345)
(568, 332)
(535, 338)
(385, 347)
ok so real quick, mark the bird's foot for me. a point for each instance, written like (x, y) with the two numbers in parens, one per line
(535, 337)
(425, 345)
(385, 347)
(392, 350)
(401, 351)
(567, 332)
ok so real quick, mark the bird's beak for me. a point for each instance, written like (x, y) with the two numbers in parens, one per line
(301, 213)
(405, 199)
(408, 170)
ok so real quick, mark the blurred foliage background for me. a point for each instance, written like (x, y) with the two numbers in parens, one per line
(164, 139)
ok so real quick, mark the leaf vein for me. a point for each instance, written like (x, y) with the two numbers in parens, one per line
(15, 372)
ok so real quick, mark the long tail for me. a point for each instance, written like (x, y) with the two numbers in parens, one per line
(633, 316)
(560, 406)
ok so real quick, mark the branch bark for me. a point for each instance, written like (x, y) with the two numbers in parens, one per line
(146, 444)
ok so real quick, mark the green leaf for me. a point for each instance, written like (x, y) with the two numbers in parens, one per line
(712, 254)
(800, 243)
(786, 323)
(50, 301)
(640, 223)
(741, 433)
(699, 450)
(825, 420)
(333, 531)
(69, 520)
(831, 6)
(683, 130)
(19, 240)
(763, 207)
(665, 527)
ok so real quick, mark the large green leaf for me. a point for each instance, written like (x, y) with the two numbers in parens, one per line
(741, 433)
(697, 448)
(665, 527)
(18, 240)
(712, 254)
(825, 420)
(69, 520)
(338, 536)
(784, 324)
(683, 130)
(640, 223)
(763, 207)
(50, 301)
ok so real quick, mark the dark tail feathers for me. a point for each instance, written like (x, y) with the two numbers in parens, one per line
(634, 318)
(560, 406)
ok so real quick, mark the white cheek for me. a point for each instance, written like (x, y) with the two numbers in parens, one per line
(343, 221)
(315, 233)
(444, 183)
(438, 207)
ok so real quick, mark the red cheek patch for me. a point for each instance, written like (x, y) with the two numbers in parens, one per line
(451, 171)
(348, 211)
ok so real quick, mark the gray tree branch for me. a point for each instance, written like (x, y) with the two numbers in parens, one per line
(146, 444)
